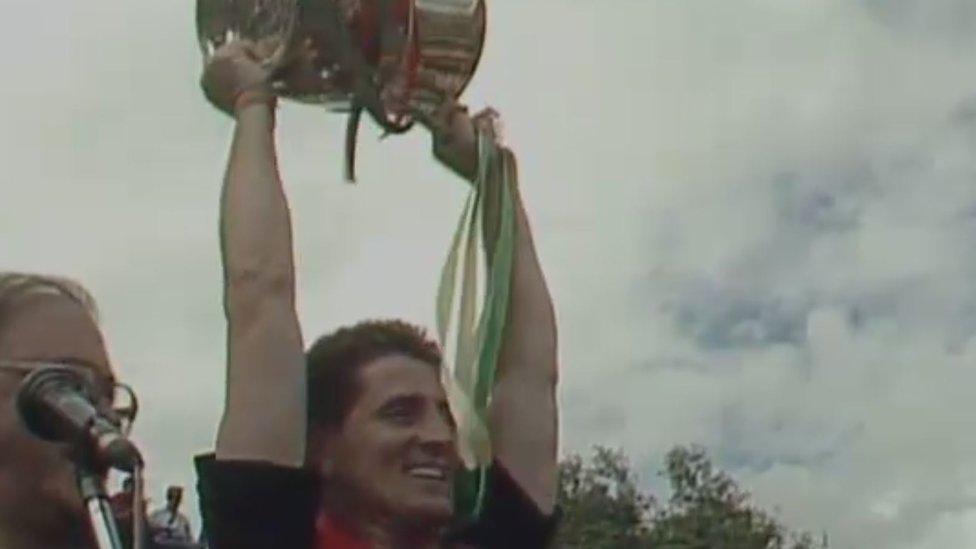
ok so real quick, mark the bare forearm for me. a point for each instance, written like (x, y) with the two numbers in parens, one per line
(264, 417)
(524, 414)
(530, 336)
(255, 222)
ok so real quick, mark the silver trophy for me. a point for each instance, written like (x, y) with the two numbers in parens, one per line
(400, 60)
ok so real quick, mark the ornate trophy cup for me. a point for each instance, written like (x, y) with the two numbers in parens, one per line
(400, 60)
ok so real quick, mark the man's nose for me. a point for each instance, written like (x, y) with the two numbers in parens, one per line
(436, 430)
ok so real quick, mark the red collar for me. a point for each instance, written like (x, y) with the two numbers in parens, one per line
(329, 534)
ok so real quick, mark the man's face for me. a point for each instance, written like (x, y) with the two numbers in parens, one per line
(395, 453)
(37, 485)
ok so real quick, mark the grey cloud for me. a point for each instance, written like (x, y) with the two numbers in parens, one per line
(755, 445)
(717, 319)
(820, 320)
(951, 20)
(734, 311)
(825, 201)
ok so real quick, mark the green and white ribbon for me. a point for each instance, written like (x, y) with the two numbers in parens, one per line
(478, 335)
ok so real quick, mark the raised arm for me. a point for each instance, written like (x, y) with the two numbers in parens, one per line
(523, 418)
(264, 415)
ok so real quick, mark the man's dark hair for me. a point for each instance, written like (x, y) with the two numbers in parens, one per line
(335, 359)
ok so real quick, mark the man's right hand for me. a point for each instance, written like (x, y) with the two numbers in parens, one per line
(235, 76)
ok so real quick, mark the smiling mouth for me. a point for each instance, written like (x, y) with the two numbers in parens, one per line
(428, 472)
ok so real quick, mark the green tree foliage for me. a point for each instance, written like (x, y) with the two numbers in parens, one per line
(601, 504)
(603, 508)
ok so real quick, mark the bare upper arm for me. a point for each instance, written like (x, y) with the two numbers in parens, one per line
(523, 417)
(264, 414)
(524, 427)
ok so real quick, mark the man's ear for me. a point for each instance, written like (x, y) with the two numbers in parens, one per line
(319, 455)
(326, 467)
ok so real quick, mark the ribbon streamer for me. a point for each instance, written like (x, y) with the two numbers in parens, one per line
(478, 336)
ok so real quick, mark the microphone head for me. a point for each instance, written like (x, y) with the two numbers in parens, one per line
(37, 390)
(57, 403)
(120, 453)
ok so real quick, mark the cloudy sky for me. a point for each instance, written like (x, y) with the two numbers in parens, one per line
(757, 219)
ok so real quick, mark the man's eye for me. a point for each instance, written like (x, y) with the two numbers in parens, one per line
(398, 413)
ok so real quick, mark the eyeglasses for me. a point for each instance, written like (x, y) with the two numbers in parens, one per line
(118, 399)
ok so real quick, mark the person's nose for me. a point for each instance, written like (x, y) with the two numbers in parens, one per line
(436, 431)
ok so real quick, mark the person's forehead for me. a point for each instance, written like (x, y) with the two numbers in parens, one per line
(57, 330)
(394, 375)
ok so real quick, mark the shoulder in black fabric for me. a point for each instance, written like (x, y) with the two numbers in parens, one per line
(255, 505)
(509, 520)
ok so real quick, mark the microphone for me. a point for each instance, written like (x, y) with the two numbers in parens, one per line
(55, 404)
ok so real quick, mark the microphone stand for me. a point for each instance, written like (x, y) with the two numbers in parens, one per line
(91, 487)
(92, 490)
(138, 516)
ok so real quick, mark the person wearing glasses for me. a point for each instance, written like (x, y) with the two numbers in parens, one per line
(352, 444)
(43, 320)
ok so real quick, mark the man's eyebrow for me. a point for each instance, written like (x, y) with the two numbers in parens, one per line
(69, 360)
(15, 365)
(403, 398)
(98, 373)
(414, 399)
(74, 361)
(33, 364)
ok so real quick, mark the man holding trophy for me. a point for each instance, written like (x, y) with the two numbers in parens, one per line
(354, 444)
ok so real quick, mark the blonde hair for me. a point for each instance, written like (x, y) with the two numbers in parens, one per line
(15, 287)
